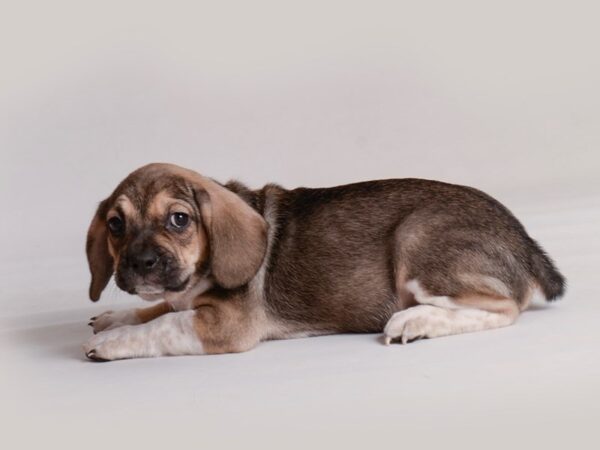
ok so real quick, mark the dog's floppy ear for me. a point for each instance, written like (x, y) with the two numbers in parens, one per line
(237, 234)
(99, 259)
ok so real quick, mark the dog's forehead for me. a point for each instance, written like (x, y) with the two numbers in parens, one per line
(144, 188)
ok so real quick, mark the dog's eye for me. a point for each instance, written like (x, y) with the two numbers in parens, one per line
(179, 220)
(116, 225)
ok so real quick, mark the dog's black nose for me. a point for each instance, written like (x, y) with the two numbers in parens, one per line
(145, 261)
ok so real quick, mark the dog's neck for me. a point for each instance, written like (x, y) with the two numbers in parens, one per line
(256, 199)
(181, 301)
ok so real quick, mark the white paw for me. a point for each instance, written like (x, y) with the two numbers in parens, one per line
(411, 324)
(117, 343)
(114, 319)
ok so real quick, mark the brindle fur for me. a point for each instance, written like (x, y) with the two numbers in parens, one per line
(336, 260)
(338, 252)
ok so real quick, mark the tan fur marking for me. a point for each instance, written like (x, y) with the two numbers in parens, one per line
(405, 298)
(485, 285)
(497, 305)
(152, 312)
(229, 326)
(163, 203)
(113, 252)
(125, 204)
(160, 207)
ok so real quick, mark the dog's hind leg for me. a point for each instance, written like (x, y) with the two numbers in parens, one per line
(435, 316)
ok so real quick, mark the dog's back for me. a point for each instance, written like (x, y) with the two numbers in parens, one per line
(341, 255)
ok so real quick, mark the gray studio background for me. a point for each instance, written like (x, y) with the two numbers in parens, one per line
(500, 95)
(503, 96)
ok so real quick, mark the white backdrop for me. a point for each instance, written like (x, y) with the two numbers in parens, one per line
(503, 96)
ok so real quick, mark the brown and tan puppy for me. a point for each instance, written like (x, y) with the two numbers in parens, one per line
(232, 266)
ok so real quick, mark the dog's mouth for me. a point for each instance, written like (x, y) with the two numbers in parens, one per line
(151, 292)
(148, 293)
(178, 287)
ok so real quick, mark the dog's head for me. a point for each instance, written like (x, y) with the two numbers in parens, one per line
(165, 228)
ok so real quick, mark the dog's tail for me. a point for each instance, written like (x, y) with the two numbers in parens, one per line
(551, 281)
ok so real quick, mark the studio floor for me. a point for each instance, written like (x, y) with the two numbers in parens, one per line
(534, 383)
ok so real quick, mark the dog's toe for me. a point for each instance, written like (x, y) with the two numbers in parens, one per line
(94, 357)
(113, 319)
(405, 327)
(109, 345)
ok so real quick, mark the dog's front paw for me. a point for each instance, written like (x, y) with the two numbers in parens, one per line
(112, 344)
(114, 319)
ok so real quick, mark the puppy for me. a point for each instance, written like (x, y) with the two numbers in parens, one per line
(233, 266)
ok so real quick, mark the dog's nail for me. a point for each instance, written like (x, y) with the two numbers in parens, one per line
(93, 318)
(91, 324)
(92, 355)
(387, 340)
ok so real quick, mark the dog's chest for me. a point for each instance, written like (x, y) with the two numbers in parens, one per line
(182, 301)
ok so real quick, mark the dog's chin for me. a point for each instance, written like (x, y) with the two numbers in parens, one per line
(152, 293)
